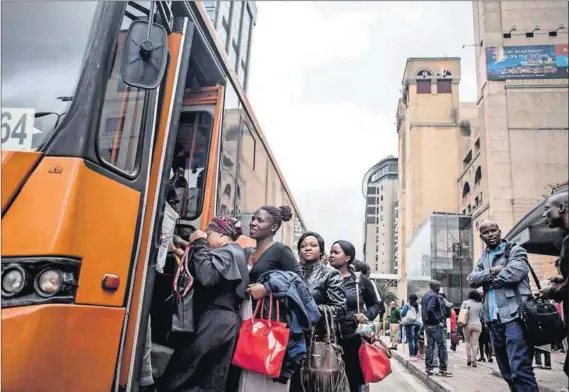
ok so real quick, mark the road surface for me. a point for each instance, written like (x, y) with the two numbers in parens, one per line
(400, 380)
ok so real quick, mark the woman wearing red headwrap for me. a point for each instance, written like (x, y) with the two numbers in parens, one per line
(221, 277)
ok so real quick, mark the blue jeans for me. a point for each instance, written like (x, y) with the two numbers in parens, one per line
(412, 333)
(435, 338)
(514, 355)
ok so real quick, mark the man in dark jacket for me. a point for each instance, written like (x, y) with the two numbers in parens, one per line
(557, 216)
(434, 321)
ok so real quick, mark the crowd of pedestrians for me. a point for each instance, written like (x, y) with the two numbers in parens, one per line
(490, 321)
(231, 280)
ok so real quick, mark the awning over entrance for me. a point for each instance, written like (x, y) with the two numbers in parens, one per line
(532, 233)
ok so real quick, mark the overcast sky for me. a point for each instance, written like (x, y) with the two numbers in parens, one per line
(324, 84)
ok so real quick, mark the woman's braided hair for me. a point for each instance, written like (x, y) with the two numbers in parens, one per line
(280, 214)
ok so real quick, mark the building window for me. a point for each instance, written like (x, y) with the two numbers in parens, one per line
(382, 187)
(371, 190)
(469, 208)
(444, 86)
(381, 208)
(381, 198)
(480, 197)
(236, 12)
(371, 200)
(370, 210)
(381, 218)
(423, 86)
(424, 73)
(245, 34)
(478, 176)
(371, 220)
(476, 202)
(465, 190)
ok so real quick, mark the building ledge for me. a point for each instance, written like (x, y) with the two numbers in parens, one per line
(434, 125)
(468, 166)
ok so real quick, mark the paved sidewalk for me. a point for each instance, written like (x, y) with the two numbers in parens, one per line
(484, 378)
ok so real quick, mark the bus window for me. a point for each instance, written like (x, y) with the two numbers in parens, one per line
(252, 179)
(190, 161)
(121, 121)
(275, 193)
(229, 154)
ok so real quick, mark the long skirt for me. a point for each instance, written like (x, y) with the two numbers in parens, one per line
(201, 363)
(252, 382)
(351, 346)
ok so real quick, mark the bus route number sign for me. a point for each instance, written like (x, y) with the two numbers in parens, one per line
(17, 129)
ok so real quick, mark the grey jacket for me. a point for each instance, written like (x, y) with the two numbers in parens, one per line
(514, 274)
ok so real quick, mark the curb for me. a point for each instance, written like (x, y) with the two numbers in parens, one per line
(435, 385)
(428, 381)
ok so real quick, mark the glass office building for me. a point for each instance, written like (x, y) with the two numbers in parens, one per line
(234, 22)
(442, 250)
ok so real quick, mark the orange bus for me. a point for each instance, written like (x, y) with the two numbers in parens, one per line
(100, 109)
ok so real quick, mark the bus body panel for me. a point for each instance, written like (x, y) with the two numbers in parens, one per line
(59, 348)
(16, 166)
(83, 214)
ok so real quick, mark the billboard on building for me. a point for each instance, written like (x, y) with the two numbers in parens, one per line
(527, 62)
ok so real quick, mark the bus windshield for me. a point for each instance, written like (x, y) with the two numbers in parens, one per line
(43, 45)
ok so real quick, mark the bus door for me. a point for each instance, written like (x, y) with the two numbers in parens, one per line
(190, 148)
(178, 121)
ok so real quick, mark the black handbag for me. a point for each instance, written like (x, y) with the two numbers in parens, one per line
(542, 321)
(183, 296)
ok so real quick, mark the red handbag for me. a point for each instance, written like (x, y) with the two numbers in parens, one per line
(374, 357)
(374, 361)
(262, 344)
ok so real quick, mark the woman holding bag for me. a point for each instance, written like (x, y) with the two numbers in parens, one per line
(411, 321)
(220, 272)
(472, 308)
(362, 307)
(267, 255)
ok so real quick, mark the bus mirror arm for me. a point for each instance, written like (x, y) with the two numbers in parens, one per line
(145, 55)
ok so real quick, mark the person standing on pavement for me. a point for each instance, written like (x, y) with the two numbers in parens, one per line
(501, 270)
(362, 306)
(434, 321)
(411, 321)
(394, 319)
(473, 327)
(556, 215)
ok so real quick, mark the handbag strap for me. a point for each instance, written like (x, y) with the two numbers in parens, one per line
(358, 290)
(261, 305)
(183, 270)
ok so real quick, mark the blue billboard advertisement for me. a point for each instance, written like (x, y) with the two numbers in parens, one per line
(527, 62)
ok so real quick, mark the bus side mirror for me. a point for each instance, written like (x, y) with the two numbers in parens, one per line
(145, 55)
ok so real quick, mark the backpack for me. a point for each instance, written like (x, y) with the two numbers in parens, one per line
(445, 309)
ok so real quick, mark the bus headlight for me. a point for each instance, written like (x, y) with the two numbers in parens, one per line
(13, 281)
(49, 282)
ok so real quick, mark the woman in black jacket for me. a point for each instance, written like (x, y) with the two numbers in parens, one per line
(342, 254)
(324, 282)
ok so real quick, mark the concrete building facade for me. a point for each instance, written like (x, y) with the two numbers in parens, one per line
(497, 157)
(234, 22)
(518, 149)
(429, 144)
(380, 191)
